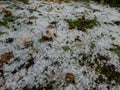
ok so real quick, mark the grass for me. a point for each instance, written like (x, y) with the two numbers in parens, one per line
(113, 38)
(5, 21)
(1, 33)
(82, 23)
(101, 67)
(29, 44)
(66, 48)
(109, 72)
(115, 50)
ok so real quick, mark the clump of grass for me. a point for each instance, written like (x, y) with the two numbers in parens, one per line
(112, 3)
(1, 33)
(82, 23)
(24, 1)
(66, 48)
(4, 22)
(109, 72)
(8, 17)
(29, 44)
(113, 38)
(115, 50)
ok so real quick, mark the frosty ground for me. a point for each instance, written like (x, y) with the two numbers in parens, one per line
(46, 49)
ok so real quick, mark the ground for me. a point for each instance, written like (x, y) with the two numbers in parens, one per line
(67, 46)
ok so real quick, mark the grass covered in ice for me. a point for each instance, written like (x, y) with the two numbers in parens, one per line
(65, 46)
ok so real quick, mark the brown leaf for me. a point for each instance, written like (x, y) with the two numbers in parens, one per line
(33, 17)
(9, 40)
(50, 26)
(46, 38)
(6, 56)
(70, 78)
(8, 13)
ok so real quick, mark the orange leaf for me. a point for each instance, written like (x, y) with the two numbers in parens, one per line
(6, 56)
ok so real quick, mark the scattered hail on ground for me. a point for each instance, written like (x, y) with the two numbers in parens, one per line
(67, 46)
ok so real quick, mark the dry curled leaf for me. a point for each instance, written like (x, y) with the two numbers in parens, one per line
(70, 78)
(46, 38)
(33, 17)
(6, 56)
(79, 45)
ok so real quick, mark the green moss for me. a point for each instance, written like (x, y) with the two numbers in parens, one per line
(92, 46)
(5, 21)
(66, 48)
(82, 23)
(115, 50)
(29, 44)
(100, 79)
(99, 63)
(113, 38)
(84, 59)
(109, 72)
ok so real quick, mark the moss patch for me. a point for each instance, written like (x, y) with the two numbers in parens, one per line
(82, 23)
(109, 72)
(115, 50)
(66, 48)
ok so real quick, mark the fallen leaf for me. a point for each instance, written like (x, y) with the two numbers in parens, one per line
(70, 78)
(46, 38)
(7, 13)
(33, 17)
(79, 45)
(9, 40)
(50, 26)
(6, 56)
